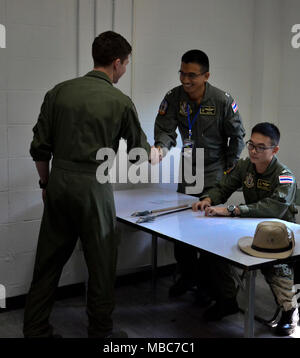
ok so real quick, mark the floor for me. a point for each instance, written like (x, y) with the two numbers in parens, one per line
(143, 314)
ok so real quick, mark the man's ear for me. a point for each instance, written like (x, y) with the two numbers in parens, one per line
(206, 76)
(116, 63)
(276, 149)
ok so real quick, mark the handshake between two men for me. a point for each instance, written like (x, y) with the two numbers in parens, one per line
(156, 155)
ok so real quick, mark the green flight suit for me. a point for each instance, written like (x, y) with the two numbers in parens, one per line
(77, 118)
(218, 129)
(264, 197)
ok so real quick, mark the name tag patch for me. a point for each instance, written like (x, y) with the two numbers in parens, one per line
(263, 184)
(208, 110)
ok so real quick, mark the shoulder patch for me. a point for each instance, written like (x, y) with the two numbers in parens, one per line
(163, 107)
(286, 179)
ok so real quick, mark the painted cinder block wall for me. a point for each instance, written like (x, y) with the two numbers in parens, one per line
(48, 41)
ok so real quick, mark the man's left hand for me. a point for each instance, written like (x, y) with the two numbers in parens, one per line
(220, 211)
(216, 211)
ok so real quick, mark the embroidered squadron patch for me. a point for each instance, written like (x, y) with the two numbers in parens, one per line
(163, 107)
(208, 110)
(249, 181)
(286, 179)
(183, 108)
(263, 184)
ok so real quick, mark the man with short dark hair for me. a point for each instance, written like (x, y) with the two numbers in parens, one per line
(109, 46)
(79, 117)
(269, 189)
(208, 118)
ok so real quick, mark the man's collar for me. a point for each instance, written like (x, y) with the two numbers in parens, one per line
(206, 92)
(270, 167)
(99, 74)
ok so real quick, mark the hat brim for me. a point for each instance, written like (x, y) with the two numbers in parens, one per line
(245, 244)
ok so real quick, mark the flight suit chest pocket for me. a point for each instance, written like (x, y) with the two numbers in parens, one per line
(209, 125)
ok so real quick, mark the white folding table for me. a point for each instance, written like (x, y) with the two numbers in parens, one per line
(214, 235)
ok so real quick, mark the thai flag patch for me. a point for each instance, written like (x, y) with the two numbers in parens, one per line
(286, 179)
(234, 107)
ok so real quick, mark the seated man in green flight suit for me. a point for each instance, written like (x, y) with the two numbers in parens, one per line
(266, 195)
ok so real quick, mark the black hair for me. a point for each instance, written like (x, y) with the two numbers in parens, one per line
(108, 47)
(269, 130)
(197, 56)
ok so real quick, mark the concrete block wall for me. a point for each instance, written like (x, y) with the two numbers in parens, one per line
(41, 45)
(276, 76)
(48, 41)
(289, 93)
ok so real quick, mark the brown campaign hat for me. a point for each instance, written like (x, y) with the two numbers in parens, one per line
(272, 240)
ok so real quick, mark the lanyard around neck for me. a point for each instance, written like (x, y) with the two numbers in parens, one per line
(191, 123)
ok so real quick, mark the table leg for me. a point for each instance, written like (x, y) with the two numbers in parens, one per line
(249, 313)
(154, 260)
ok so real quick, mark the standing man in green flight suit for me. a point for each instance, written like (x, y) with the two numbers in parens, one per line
(78, 117)
(206, 118)
(269, 189)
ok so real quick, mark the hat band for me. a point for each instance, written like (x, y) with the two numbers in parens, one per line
(272, 250)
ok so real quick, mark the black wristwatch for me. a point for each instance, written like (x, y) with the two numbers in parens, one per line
(231, 209)
(42, 185)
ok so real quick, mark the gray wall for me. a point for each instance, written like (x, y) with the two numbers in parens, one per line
(48, 41)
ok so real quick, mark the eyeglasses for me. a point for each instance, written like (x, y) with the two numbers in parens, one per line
(190, 75)
(258, 148)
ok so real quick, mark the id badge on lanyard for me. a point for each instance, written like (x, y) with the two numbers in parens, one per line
(188, 143)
